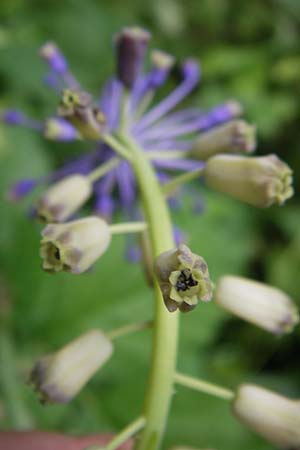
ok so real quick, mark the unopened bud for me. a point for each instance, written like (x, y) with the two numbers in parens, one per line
(59, 376)
(74, 246)
(54, 58)
(261, 181)
(183, 278)
(269, 414)
(258, 303)
(131, 45)
(76, 107)
(64, 198)
(58, 129)
(236, 136)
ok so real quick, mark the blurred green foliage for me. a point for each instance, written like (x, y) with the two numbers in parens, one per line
(248, 51)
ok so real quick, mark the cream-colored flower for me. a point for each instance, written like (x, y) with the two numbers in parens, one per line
(261, 181)
(74, 246)
(258, 303)
(64, 198)
(183, 278)
(271, 415)
(236, 136)
(59, 376)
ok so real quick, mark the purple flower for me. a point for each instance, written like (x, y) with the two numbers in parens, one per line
(163, 131)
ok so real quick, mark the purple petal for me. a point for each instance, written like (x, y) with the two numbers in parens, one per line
(191, 77)
(126, 184)
(179, 236)
(110, 102)
(133, 253)
(54, 58)
(21, 189)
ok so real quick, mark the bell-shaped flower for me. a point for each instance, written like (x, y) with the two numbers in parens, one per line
(74, 246)
(64, 198)
(261, 181)
(183, 278)
(258, 303)
(59, 376)
(269, 414)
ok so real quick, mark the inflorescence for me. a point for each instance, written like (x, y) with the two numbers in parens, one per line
(130, 133)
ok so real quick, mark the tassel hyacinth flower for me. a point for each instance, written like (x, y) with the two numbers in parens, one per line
(142, 152)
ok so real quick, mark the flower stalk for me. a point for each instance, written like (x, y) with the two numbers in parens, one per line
(128, 227)
(128, 329)
(203, 386)
(123, 436)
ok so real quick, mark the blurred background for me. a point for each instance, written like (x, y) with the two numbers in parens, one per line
(249, 51)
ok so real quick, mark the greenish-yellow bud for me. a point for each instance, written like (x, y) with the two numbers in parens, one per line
(269, 414)
(258, 303)
(261, 181)
(183, 278)
(236, 136)
(74, 246)
(77, 108)
(59, 376)
(64, 198)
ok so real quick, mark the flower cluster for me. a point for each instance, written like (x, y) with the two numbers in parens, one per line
(132, 139)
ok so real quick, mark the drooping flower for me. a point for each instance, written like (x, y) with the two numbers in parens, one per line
(63, 199)
(269, 414)
(258, 303)
(74, 246)
(261, 181)
(59, 376)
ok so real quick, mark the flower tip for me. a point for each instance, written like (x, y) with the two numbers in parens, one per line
(191, 70)
(131, 44)
(236, 108)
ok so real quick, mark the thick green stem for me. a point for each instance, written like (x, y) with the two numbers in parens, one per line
(164, 350)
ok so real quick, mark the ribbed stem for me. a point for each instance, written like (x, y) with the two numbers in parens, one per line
(165, 328)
